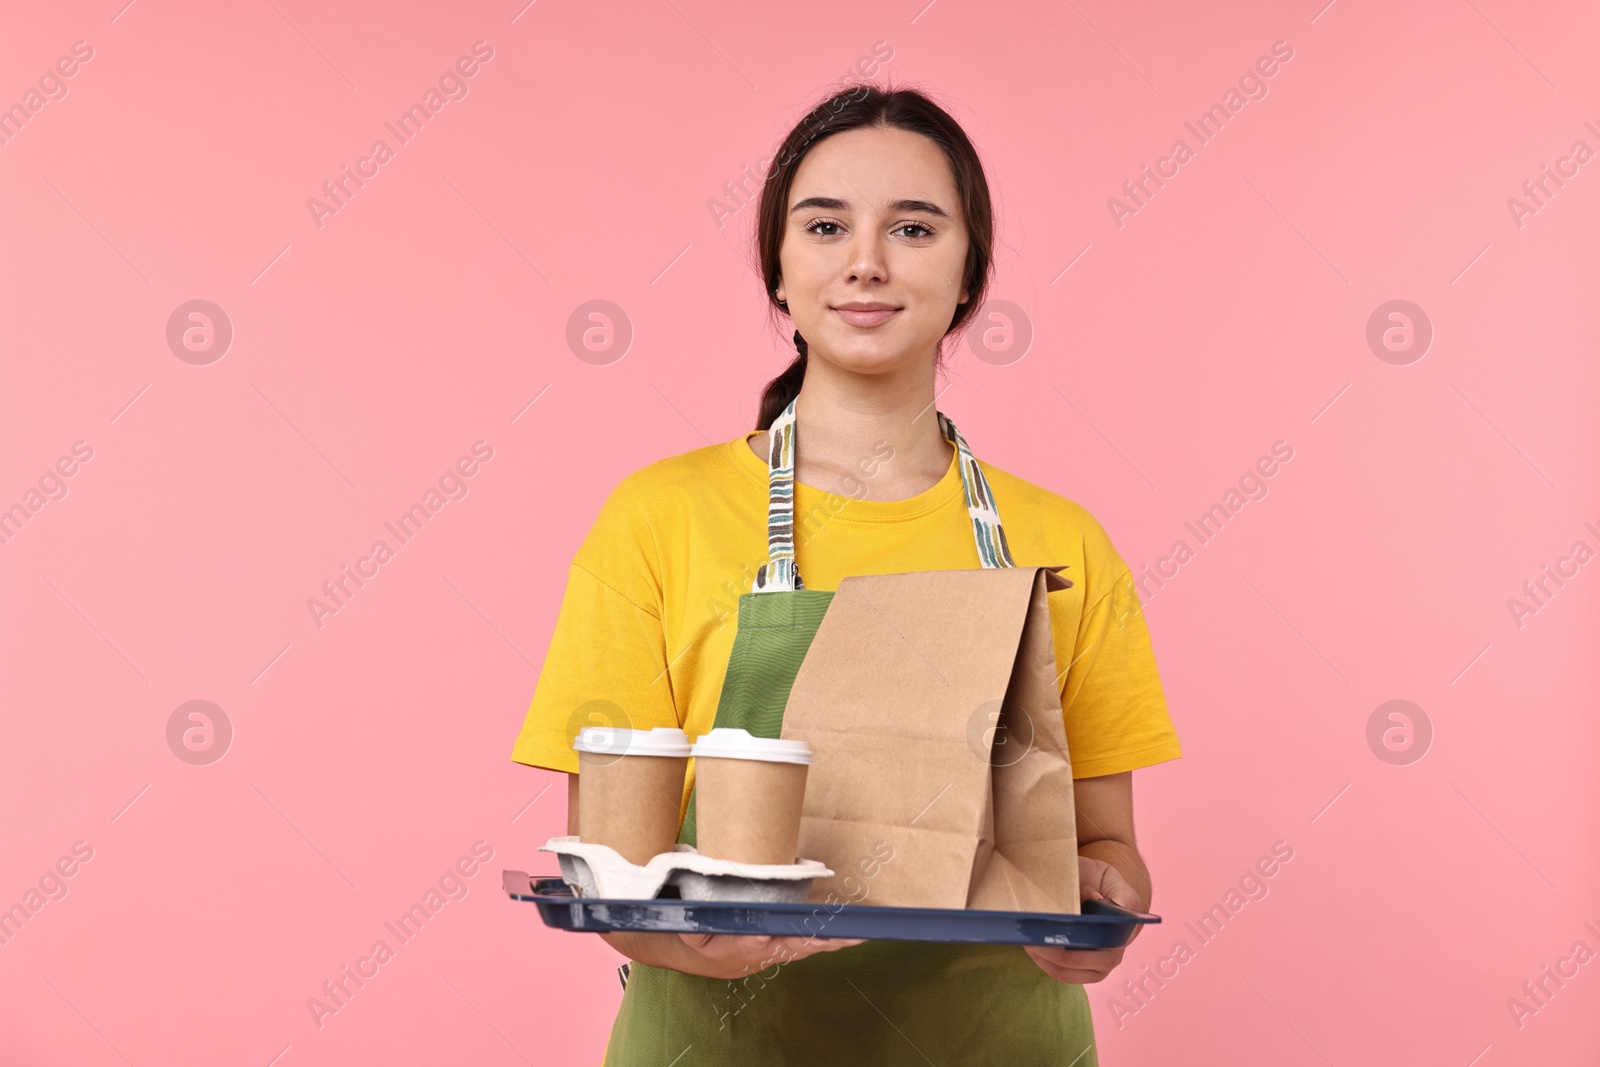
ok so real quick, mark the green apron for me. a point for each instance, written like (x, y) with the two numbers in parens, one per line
(881, 1002)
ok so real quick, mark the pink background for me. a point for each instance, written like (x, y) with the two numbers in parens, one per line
(370, 753)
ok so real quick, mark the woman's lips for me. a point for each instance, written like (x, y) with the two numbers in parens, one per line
(865, 318)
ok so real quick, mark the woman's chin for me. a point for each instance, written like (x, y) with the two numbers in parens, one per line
(868, 355)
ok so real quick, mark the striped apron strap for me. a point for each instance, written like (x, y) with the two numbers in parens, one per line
(782, 574)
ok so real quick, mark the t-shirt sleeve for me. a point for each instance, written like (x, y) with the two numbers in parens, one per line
(607, 661)
(1111, 696)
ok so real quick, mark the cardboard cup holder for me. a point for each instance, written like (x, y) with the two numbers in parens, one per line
(596, 870)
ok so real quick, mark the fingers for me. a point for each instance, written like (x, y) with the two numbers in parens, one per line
(1120, 891)
(800, 947)
(747, 946)
(1088, 958)
(1077, 966)
(830, 944)
(1128, 898)
(1075, 977)
(752, 952)
(727, 946)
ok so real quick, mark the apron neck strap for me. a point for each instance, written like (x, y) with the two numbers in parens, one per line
(781, 573)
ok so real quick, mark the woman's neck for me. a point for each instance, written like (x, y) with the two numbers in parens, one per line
(868, 437)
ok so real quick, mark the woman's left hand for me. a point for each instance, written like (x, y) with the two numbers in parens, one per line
(1096, 880)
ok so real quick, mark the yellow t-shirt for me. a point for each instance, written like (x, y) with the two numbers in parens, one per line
(652, 600)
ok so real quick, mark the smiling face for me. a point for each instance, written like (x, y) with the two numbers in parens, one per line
(874, 249)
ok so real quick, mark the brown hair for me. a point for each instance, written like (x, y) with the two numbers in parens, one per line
(849, 109)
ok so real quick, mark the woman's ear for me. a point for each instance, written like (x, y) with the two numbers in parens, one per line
(778, 292)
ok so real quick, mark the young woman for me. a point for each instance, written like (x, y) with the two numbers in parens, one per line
(875, 239)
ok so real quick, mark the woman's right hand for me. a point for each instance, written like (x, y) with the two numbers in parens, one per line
(736, 955)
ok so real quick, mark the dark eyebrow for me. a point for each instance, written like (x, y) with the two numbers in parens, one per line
(830, 203)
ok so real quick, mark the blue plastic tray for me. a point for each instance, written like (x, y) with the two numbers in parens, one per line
(1102, 925)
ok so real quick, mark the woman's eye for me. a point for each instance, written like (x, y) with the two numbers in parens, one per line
(830, 228)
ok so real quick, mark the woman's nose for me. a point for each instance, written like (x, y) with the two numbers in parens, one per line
(866, 260)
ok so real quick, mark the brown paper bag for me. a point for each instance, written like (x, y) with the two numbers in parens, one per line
(940, 775)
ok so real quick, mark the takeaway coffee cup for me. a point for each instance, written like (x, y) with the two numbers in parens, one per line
(630, 786)
(748, 795)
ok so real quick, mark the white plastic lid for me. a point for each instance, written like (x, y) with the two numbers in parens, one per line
(727, 742)
(616, 741)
